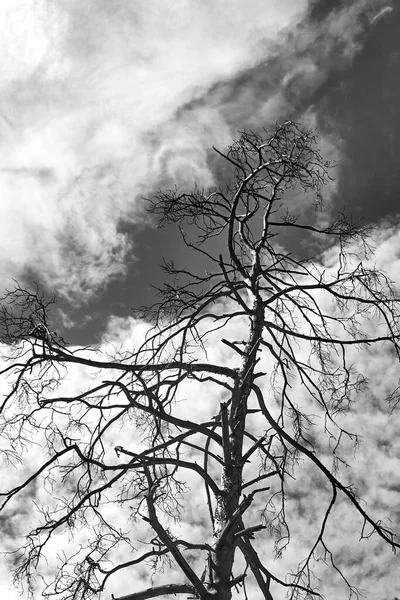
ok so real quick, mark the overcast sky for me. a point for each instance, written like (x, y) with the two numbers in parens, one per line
(104, 101)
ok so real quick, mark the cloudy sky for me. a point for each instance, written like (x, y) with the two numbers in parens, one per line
(102, 102)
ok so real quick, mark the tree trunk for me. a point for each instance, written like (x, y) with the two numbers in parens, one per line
(227, 514)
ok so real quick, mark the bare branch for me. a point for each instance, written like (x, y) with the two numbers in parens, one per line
(161, 590)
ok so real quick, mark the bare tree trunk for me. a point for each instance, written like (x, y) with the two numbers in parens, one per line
(229, 510)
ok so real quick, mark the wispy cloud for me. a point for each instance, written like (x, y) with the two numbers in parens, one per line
(385, 11)
(100, 102)
(88, 103)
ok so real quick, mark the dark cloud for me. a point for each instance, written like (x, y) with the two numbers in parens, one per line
(361, 108)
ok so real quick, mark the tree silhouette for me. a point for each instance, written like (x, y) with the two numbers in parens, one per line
(282, 324)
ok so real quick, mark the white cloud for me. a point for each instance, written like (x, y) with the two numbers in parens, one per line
(88, 106)
(91, 104)
(383, 13)
(29, 31)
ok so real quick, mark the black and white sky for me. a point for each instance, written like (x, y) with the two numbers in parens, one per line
(104, 101)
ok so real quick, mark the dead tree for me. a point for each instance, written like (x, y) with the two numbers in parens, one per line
(294, 324)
